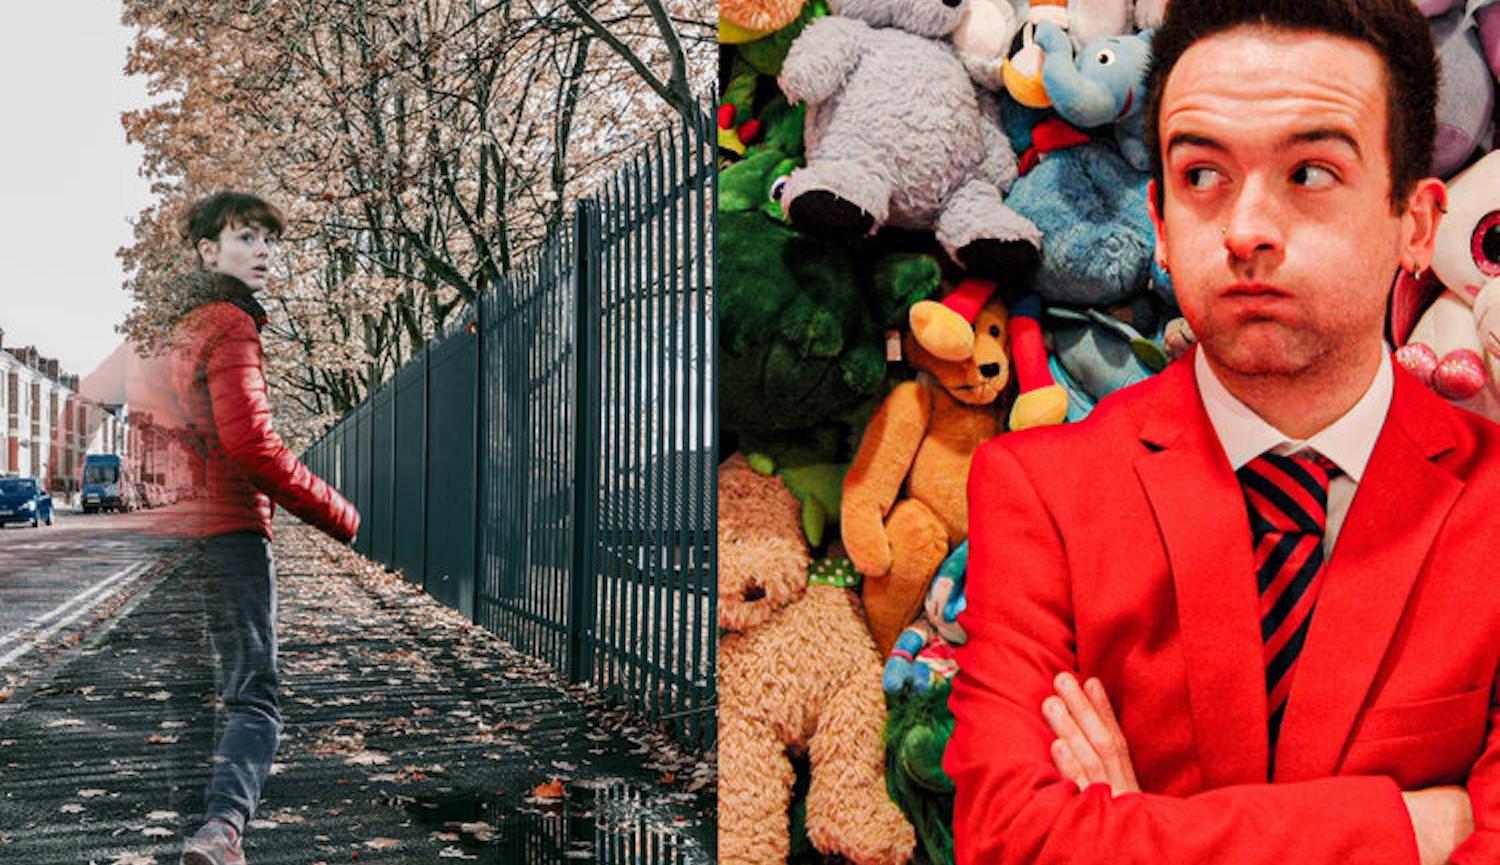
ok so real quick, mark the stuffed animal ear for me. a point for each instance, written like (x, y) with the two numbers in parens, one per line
(1410, 297)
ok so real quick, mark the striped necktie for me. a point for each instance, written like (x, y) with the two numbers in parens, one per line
(1287, 497)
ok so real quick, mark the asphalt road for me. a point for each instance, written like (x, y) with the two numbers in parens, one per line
(55, 580)
(411, 736)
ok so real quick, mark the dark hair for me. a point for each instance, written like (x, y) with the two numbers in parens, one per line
(207, 218)
(1394, 28)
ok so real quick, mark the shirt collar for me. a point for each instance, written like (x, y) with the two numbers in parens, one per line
(1347, 441)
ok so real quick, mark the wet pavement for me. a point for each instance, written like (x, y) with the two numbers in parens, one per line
(412, 736)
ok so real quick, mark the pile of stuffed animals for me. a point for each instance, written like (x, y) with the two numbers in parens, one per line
(932, 230)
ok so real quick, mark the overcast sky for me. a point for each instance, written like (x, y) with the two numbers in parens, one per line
(68, 182)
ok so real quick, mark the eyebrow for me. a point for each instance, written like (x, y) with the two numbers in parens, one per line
(1327, 133)
(1310, 136)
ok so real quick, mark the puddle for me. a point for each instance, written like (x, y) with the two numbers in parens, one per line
(606, 822)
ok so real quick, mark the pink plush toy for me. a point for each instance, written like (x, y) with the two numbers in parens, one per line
(1448, 323)
(1466, 89)
(1487, 16)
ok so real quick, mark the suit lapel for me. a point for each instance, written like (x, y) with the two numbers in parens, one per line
(1201, 515)
(1401, 503)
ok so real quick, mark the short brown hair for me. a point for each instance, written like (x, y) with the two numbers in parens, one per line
(207, 218)
(1394, 28)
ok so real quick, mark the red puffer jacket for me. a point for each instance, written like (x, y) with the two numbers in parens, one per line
(205, 396)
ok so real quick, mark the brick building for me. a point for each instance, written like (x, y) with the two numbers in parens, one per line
(46, 427)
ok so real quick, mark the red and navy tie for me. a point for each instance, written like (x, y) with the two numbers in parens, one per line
(1287, 497)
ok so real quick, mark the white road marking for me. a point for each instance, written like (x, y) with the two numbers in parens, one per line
(82, 601)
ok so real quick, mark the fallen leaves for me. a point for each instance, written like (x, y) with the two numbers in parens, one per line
(552, 789)
(451, 852)
(91, 793)
(382, 843)
(481, 830)
(159, 816)
(71, 808)
(130, 858)
(159, 739)
(157, 832)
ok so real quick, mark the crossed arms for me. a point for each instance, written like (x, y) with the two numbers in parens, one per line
(1036, 784)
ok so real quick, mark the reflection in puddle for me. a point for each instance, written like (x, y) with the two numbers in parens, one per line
(608, 822)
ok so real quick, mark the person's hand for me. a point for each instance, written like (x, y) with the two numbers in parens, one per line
(1090, 747)
(1442, 818)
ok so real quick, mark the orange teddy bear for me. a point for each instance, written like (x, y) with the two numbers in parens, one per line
(920, 443)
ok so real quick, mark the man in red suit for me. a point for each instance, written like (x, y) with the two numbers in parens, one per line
(1269, 564)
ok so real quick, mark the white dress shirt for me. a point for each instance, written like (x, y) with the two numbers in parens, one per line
(1347, 442)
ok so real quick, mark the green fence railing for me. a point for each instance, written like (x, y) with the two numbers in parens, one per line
(547, 466)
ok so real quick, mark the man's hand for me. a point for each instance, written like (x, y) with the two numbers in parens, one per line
(1090, 747)
(1442, 818)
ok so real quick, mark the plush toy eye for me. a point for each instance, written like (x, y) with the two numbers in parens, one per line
(778, 186)
(1104, 57)
(995, 330)
(1485, 244)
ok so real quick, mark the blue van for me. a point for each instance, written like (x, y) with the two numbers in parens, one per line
(105, 483)
(23, 500)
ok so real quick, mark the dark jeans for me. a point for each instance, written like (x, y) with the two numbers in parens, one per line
(237, 582)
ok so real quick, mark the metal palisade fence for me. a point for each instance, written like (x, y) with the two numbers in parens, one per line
(547, 466)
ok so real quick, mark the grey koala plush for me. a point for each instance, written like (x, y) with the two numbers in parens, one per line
(896, 134)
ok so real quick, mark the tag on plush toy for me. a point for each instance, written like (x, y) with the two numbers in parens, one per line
(893, 345)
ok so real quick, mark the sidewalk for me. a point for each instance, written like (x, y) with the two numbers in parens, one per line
(411, 736)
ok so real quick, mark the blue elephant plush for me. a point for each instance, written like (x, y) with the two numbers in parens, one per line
(1105, 85)
(1098, 239)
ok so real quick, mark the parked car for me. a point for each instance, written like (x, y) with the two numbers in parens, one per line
(24, 500)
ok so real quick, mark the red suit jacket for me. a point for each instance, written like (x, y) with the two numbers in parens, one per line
(1119, 547)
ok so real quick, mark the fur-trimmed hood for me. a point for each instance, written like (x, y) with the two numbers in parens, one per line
(196, 288)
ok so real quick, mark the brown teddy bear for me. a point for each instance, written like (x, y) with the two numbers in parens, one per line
(905, 497)
(797, 670)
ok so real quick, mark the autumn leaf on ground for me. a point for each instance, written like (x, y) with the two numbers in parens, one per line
(157, 832)
(6, 694)
(90, 793)
(366, 758)
(454, 853)
(71, 808)
(668, 778)
(161, 815)
(382, 843)
(128, 858)
(552, 789)
(159, 739)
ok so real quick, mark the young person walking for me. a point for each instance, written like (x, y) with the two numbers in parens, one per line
(208, 387)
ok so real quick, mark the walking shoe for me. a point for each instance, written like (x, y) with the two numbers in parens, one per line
(216, 843)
